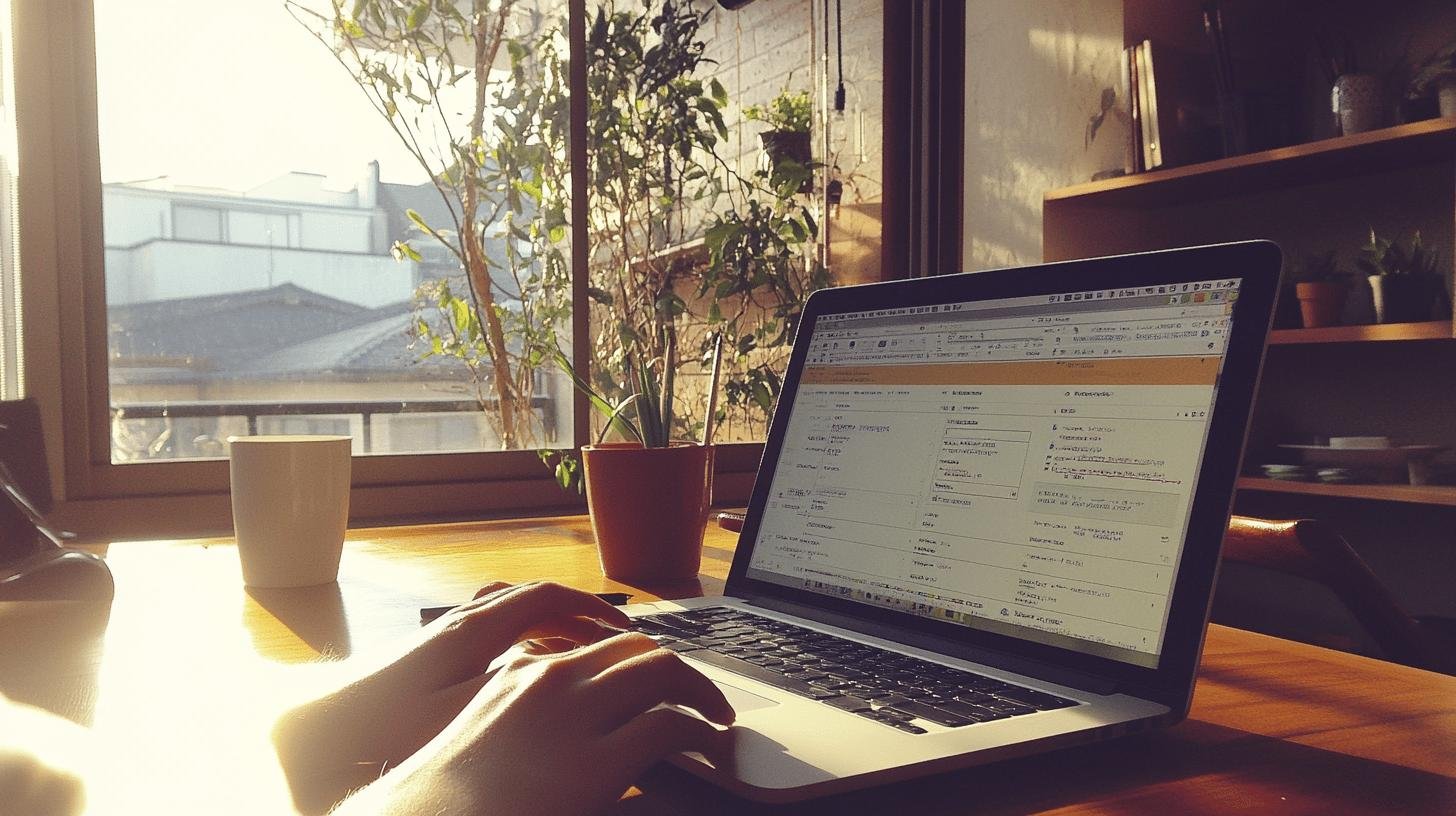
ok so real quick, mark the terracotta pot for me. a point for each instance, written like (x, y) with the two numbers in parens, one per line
(1320, 303)
(648, 507)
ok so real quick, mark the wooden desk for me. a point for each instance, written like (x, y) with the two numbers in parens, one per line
(182, 684)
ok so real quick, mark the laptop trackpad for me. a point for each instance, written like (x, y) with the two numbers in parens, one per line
(743, 700)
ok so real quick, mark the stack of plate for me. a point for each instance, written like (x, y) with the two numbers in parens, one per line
(1286, 473)
(1338, 475)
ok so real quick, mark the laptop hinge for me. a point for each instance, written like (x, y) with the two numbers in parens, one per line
(1038, 669)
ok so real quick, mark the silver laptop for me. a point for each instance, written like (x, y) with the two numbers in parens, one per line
(987, 520)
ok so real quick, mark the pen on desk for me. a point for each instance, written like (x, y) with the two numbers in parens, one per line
(430, 613)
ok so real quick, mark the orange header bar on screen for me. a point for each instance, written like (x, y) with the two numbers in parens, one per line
(1123, 371)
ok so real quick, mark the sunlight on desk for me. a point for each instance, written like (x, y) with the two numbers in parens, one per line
(185, 681)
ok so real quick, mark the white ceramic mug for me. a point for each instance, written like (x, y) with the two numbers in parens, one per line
(290, 507)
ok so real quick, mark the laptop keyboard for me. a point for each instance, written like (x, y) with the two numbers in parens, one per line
(888, 687)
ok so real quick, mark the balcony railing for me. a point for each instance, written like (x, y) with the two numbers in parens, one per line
(366, 410)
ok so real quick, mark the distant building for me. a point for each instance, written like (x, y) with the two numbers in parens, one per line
(244, 312)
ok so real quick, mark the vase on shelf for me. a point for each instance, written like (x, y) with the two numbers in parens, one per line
(1402, 298)
(1446, 96)
(1356, 102)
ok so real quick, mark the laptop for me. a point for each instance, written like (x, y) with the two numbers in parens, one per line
(987, 520)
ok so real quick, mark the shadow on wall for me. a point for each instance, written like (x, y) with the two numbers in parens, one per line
(1034, 75)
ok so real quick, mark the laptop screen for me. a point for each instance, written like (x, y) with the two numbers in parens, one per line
(1024, 466)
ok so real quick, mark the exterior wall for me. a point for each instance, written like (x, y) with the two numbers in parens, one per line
(1034, 76)
(770, 45)
(132, 215)
(176, 269)
(308, 188)
(346, 231)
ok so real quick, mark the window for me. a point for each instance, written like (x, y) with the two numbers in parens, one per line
(250, 260)
(193, 223)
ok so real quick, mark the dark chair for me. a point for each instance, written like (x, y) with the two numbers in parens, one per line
(33, 562)
(1312, 550)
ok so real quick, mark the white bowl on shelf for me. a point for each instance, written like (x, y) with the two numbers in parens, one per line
(1414, 460)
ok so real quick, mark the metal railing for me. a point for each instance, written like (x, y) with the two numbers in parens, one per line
(365, 409)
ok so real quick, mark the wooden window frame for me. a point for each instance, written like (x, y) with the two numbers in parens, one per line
(65, 342)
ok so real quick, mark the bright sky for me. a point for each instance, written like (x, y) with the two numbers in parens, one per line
(230, 93)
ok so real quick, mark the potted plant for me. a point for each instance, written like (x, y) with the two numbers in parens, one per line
(1354, 95)
(786, 144)
(683, 251)
(1435, 80)
(1405, 279)
(1321, 289)
(648, 493)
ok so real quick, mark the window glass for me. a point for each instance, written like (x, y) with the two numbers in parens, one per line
(192, 223)
(285, 240)
(283, 228)
(728, 180)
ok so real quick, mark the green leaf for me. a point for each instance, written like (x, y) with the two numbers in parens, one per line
(720, 95)
(419, 221)
(401, 250)
(762, 396)
(418, 15)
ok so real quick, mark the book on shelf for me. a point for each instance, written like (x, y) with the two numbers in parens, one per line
(1132, 162)
(1153, 133)
(1175, 108)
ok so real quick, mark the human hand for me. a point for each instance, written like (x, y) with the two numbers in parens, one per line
(560, 733)
(387, 707)
(39, 754)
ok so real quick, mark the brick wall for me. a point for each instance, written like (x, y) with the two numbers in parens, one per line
(770, 45)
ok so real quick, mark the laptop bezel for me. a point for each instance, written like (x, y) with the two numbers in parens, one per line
(1256, 263)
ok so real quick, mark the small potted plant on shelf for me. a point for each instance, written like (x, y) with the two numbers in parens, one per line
(786, 144)
(1354, 95)
(1433, 83)
(1321, 288)
(1405, 279)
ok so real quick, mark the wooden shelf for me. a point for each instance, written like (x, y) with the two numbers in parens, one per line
(1433, 140)
(1433, 330)
(1411, 494)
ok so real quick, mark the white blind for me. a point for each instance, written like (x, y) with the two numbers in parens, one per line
(12, 364)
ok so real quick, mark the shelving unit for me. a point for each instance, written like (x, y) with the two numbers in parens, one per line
(1324, 194)
(1439, 495)
(1372, 333)
(1392, 148)
(1318, 382)
(1358, 379)
(1395, 180)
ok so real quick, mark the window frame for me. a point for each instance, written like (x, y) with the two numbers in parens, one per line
(60, 195)
(65, 343)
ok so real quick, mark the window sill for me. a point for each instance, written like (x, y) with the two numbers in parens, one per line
(210, 513)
